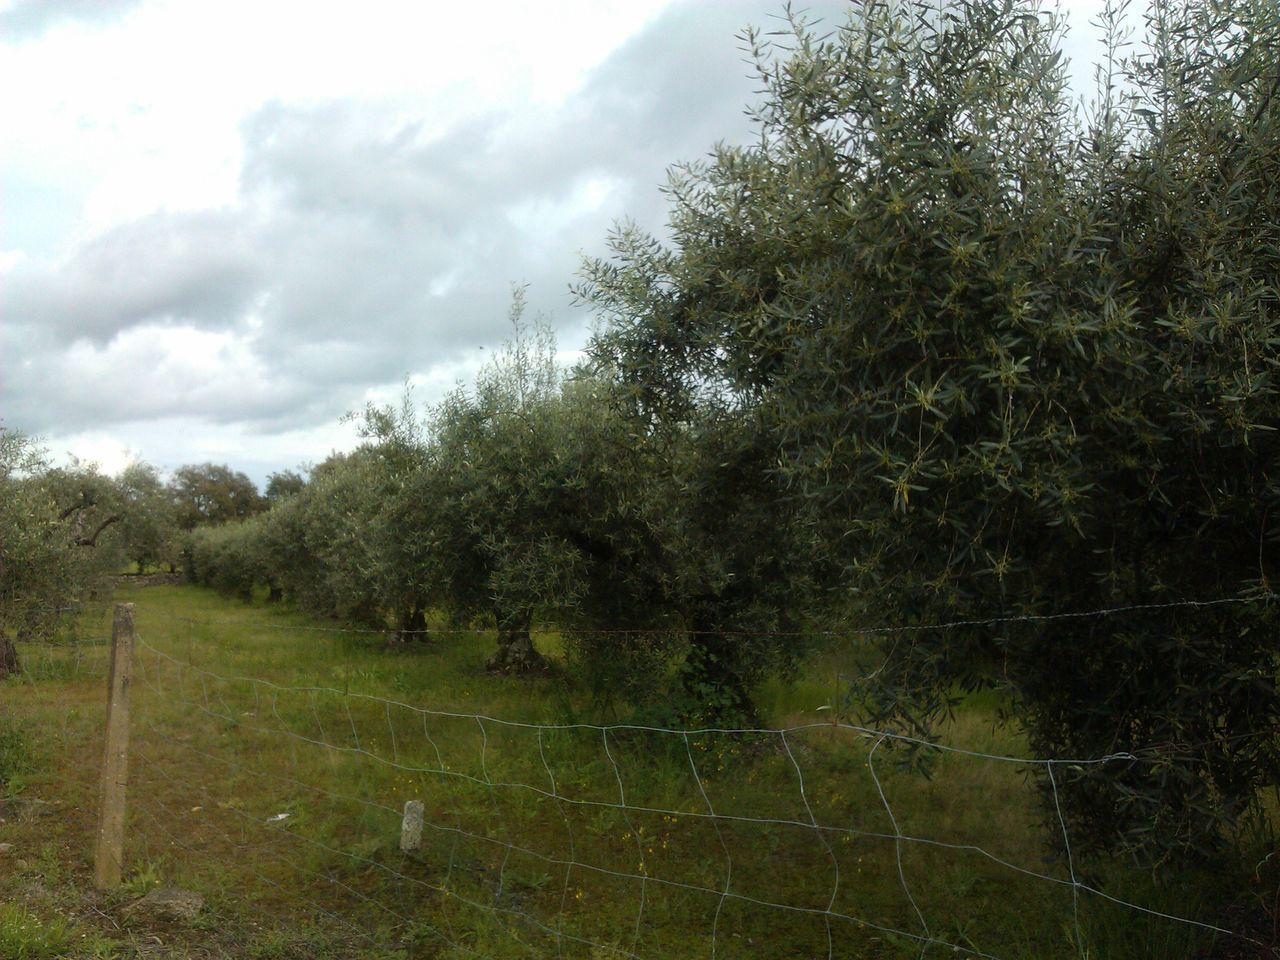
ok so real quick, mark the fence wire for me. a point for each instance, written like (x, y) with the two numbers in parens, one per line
(582, 839)
(591, 839)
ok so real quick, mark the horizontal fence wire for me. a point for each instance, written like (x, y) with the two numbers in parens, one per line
(493, 816)
(508, 847)
(842, 631)
(68, 659)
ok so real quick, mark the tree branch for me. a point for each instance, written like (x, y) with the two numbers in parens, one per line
(93, 540)
(72, 509)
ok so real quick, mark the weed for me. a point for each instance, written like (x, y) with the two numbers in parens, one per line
(142, 881)
(24, 936)
(51, 863)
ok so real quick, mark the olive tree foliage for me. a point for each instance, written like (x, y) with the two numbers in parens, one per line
(371, 562)
(228, 558)
(1009, 359)
(496, 446)
(632, 535)
(57, 541)
(33, 576)
(536, 493)
(148, 526)
(503, 508)
(416, 564)
(313, 546)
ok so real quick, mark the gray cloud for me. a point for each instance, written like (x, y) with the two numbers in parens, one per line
(194, 268)
(30, 19)
(366, 245)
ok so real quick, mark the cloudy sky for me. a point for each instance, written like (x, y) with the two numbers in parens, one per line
(222, 225)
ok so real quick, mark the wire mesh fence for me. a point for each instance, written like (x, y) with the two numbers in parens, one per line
(82, 658)
(446, 832)
(398, 818)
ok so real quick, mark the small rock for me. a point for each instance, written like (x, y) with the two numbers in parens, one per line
(166, 903)
(5, 848)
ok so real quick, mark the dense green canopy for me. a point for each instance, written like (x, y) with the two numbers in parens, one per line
(1015, 363)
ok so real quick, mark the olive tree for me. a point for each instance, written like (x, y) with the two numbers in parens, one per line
(148, 523)
(1009, 363)
(33, 577)
(467, 527)
(549, 493)
(324, 557)
(57, 544)
(502, 503)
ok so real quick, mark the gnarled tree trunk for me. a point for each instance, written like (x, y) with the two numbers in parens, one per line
(413, 627)
(10, 665)
(712, 675)
(515, 653)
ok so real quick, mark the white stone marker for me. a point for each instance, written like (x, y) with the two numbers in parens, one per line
(411, 826)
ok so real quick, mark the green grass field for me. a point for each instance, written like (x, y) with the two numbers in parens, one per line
(271, 758)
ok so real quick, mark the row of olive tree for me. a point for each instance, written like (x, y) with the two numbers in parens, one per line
(934, 345)
(66, 530)
(157, 516)
(536, 495)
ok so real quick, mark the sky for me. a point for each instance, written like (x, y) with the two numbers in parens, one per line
(224, 225)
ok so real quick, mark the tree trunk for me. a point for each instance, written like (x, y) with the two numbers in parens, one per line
(413, 627)
(712, 677)
(274, 593)
(515, 653)
(9, 663)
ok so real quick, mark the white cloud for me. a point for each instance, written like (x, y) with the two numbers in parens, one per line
(10, 259)
(93, 447)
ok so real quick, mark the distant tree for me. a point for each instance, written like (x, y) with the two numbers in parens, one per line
(148, 517)
(284, 484)
(211, 493)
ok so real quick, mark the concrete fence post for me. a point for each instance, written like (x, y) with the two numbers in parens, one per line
(108, 858)
(411, 826)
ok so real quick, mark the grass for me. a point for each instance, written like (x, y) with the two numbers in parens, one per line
(23, 936)
(16, 761)
(271, 760)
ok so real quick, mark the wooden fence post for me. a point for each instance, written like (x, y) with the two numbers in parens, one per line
(109, 854)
